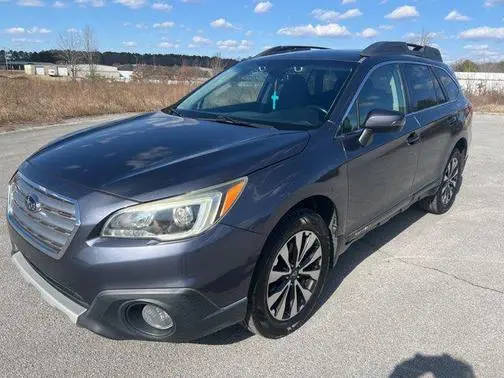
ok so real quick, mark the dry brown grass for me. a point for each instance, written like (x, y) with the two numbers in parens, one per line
(26, 99)
(487, 101)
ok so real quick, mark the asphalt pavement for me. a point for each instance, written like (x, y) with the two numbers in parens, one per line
(423, 293)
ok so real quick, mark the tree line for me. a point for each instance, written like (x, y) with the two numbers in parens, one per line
(112, 58)
(470, 66)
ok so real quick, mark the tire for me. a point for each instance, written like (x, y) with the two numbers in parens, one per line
(445, 196)
(283, 294)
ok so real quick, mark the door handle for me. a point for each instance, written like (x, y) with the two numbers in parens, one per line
(413, 138)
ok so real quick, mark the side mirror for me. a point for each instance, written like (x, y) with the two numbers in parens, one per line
(380, 121)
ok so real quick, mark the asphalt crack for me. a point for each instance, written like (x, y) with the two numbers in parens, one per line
(454, 276)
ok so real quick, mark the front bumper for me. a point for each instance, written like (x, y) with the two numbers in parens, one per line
(194, 315)
(52, 296)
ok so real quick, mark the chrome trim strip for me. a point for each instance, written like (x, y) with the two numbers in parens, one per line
(384, 64)
(34, 239)
(52, 296)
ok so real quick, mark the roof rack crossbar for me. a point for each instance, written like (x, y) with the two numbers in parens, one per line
(286, 49)
(402, 48)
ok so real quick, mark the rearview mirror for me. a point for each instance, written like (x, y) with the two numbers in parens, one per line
(380, 121)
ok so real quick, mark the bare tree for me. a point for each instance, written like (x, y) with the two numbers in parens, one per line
(70, 50)
(90, 48)
(216, 64)
(423, 39)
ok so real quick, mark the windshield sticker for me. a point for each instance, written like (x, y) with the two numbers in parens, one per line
(275, 97)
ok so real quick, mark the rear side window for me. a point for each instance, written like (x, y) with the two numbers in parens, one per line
(423, 87)
(449, 84)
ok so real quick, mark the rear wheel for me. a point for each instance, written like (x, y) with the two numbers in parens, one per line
(444, 198)
(290, 275)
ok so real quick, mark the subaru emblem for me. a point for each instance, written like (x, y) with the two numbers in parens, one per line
(32, 203)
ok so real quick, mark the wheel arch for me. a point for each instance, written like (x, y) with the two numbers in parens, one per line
(320, 204)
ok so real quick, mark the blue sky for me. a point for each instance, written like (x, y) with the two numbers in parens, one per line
(239, 28)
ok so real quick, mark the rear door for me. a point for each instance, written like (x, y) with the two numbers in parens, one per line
(431, 108)
(381, 174)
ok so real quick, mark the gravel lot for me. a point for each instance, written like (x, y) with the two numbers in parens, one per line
(421, 293)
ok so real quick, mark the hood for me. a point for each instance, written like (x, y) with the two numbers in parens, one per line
(157, 155)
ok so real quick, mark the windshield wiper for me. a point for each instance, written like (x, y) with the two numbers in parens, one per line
(174, 111)
(221, 118)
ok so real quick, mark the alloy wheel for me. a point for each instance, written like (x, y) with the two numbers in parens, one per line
(450, 180)
(294, 275)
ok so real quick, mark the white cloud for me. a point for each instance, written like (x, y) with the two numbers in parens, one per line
(32, 30)
(25, 40)
(263, 7)
(15, 30)
(199, 40)
(163, 25)
(491, 3)
(406, 11)
(325, 15)
(347, 1)
(93, 3)
(331, 15)
(59, 4)
(30, 3)
(385, 27)
(129, 44)
(368, 33)
(248, 33)
(476, 47)
(232, 45)
(454, 15)
(329, 30)
(351, 13)
(221, 23)
(37, 30)
(133, 4)
(72, 30)
(161, 6)
(483, 32)
(168, 45)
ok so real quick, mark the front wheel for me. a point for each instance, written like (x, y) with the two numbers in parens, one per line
(444, 198)
(290, 275)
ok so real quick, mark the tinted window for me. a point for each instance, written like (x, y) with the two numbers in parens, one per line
(422, 86)
(382, 90)
(441, 99)
(288, 94)
(449, 84)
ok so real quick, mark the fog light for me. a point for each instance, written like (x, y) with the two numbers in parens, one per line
(156, 317)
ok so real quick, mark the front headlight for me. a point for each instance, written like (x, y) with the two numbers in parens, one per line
(177, 217)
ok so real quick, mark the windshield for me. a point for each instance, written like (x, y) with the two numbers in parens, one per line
(287, 94)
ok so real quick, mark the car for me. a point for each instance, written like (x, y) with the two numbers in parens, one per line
(234, 204)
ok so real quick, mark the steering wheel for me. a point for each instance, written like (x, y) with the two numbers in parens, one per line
(319, 109)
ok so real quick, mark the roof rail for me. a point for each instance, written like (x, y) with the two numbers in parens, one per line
(286, 49)
(402, 48)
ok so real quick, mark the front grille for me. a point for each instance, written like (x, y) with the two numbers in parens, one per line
(51, 222)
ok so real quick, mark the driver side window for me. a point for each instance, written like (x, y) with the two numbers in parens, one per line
(383, 90)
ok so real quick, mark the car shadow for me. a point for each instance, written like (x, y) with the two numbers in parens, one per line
(355, 255)
(438, 366)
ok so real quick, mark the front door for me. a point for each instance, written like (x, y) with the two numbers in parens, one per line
(380, 175)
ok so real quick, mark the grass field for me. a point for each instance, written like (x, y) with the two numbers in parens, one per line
(31, 100)
(26, 99)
